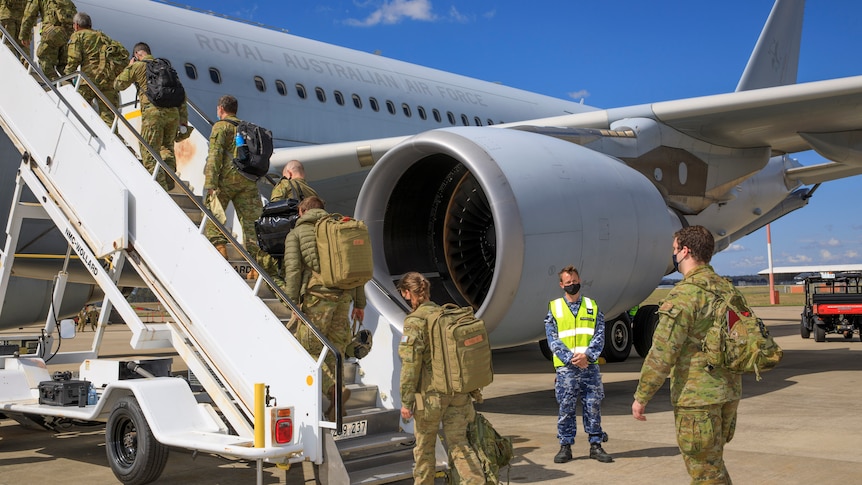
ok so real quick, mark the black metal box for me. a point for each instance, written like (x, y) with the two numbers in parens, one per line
(63, 393)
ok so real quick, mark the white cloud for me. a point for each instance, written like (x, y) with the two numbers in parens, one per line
(734, 248)
(756, 262)
(833, 242)
(583, 93)
(393, 12)
(799, 258)
(851, 254)
(457, 16)
(826, 255)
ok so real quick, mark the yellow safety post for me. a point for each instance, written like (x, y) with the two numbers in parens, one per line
(259, 421)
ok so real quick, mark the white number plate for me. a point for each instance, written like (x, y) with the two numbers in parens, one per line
(352, 430)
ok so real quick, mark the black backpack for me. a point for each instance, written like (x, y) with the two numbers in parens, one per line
(276, 221)
(164, 88)
(252, 158)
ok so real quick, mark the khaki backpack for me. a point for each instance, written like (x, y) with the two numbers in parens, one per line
(344, 251)
(113, 58)
(460, 351)
(738, 340)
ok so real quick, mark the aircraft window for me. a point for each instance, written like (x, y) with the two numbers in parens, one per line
(321, 94)
(477, 121)
(281, 87)
(374, 105)
(422, 113)
(215, 75)
(339, 98)
(451, 117)
(260, 84)
(357, 101)
(464, 120)
(390, 106)
(406, 109)
(437, 116)
(300, 91)
(191, 71)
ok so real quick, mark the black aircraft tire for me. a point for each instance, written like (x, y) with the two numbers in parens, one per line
(135, 456)
(643, 328)
(546, 349)
(618, 339)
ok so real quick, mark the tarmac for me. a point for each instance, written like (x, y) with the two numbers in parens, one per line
(799, 425)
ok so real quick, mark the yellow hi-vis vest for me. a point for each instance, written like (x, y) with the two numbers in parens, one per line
(575, 333)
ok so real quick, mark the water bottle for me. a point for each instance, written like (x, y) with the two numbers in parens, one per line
(92, 396)
(241, 153)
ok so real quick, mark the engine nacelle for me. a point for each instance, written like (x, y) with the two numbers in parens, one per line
(491, 216)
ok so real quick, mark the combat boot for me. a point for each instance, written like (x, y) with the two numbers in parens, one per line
(564, 455)
(598, 453)
(222, 249)
(252, 274)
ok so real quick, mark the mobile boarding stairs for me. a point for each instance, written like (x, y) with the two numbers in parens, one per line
(262, 398)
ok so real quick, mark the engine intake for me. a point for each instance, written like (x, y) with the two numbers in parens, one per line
(492, 215)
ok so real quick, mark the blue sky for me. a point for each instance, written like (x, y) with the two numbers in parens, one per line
(610, 54)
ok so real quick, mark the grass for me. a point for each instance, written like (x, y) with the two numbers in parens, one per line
(755, 295)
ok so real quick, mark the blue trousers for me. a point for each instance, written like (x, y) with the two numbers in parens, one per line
(584, 384)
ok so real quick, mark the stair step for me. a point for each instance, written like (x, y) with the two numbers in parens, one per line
(375, 444)
(363, 398)
(392, 471)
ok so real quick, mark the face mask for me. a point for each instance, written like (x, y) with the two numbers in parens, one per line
(572, 289)
(676, 263)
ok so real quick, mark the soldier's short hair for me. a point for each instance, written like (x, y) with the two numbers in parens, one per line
(570, 269)
(415, 283)
(83, 20)
(229, 104)
(312, 202)
(698, 240)
(142, 46)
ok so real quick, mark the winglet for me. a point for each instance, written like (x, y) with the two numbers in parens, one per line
(775, 58)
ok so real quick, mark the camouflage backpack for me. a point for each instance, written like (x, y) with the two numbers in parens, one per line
(60, 12)
(113, 58)
(738, 340)
(460, 350)
(494, 451)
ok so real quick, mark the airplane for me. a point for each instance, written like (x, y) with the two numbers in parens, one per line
(470, 182)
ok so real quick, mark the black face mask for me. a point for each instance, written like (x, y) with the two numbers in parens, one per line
(572, 289)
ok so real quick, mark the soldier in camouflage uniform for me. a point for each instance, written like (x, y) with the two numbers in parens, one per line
(292, 182)
(428, 407)
(223, 181)
(704, 399)
(293, 179)
(93, 316)
(85, 49)
(576, 335)
(11, 13)
(327, 308)
(158, 125)
(56, 29)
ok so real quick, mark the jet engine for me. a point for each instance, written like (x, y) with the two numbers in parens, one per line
(491, 216)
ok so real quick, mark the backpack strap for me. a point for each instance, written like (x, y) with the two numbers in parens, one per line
(293, 190)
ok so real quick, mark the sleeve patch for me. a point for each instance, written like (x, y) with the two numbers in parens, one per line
(405, 339)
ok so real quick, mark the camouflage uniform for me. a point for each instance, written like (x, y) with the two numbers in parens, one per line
(85, 49)
(704, 400)
(82, 319)
(11, 13)
(158, 125)
(573, 382)
(327, 308)
(57, 18)
(283, 190)
(454, 410)
(221, 175)
(93, 316)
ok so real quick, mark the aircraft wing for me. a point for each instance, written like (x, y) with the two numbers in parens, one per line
(822, 115)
